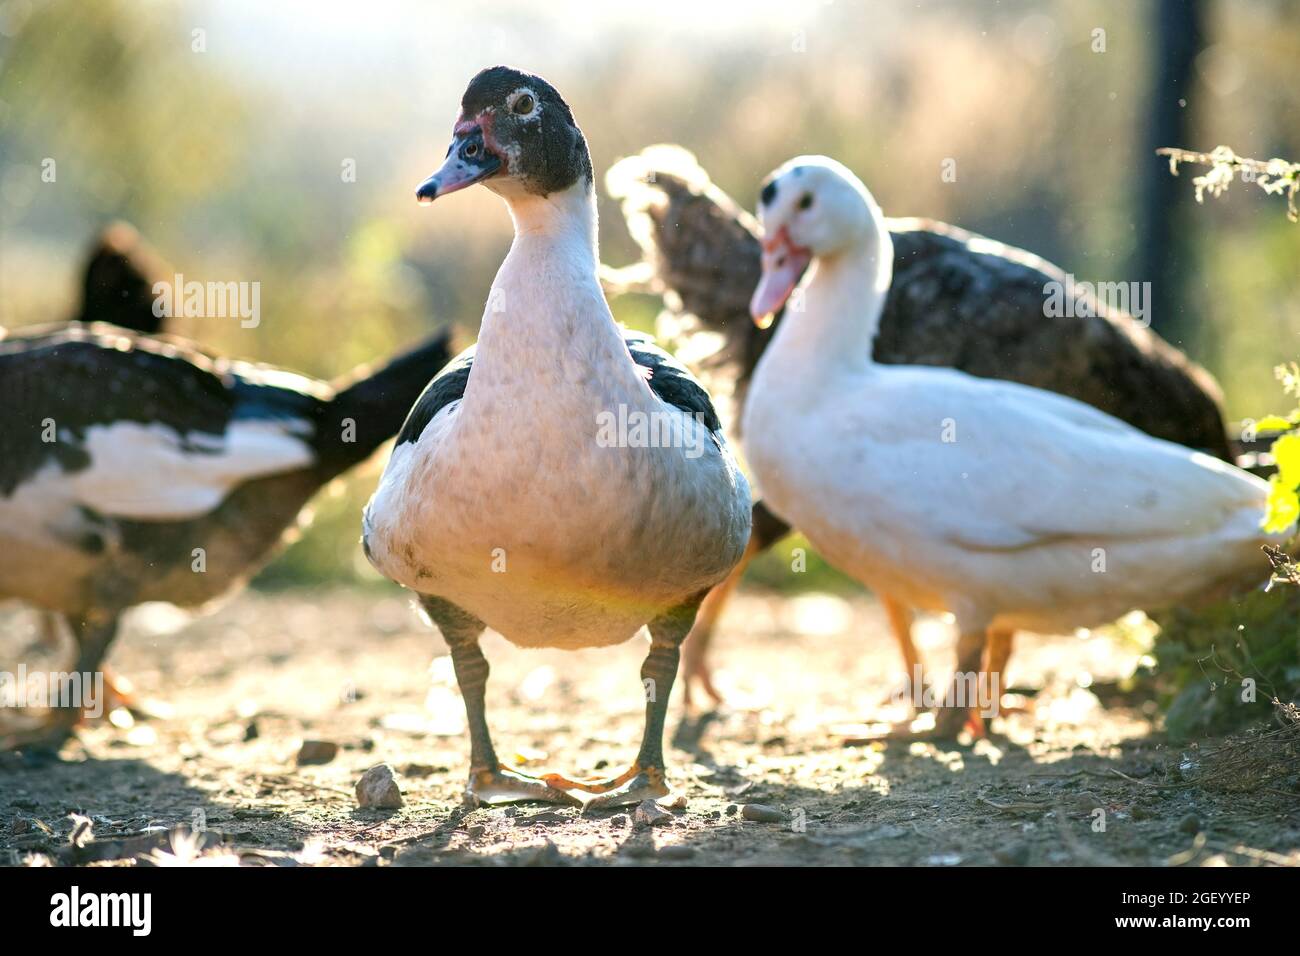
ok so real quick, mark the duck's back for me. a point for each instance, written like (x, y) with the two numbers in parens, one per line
(938, 483)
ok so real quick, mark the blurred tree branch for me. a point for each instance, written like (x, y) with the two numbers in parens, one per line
(1274, 176)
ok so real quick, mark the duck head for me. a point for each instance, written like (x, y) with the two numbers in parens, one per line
(810, 207)
(515, 134)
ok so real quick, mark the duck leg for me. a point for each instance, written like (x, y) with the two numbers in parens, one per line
(696, 670)
(118, 690)
(93, 633)
(961, 706)
(490, 782)
(766, 529)
(645, 779)
(1000, 644)
(900, 626)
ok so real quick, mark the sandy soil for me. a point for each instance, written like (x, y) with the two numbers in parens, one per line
(248, 684)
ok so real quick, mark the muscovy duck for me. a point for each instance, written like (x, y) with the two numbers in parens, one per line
(507, 503)
(1008, 506)
(956, 299)
(138, 469)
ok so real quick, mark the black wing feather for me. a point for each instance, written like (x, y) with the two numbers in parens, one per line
(80, 376)
(670, 380)
(447, 386)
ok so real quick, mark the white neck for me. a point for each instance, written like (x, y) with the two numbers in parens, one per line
(547, 329)
(842, 300)
(567, 217)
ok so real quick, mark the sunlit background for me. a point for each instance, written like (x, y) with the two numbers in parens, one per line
(222, 129)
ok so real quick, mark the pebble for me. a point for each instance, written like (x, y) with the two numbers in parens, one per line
(317, 752)
(650, 814)
(378, 788)
(759, 813)
(1190, 824)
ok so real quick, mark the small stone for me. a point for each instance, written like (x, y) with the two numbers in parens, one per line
(620, 821)
(649, 814)
(378, 788)
(251, 731)
(678, 802)
(1190, 824)
(317, 752)
(760, 813)
(731, 810)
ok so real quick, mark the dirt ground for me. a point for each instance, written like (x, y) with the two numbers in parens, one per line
(249, 683)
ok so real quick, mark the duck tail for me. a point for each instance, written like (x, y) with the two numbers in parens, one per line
(700, 251)
(370, 405)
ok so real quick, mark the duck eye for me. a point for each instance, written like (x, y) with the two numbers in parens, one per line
(806, 201)
(524, 105)
(471, 150)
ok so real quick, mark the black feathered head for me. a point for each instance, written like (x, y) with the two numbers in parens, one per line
(514, 132)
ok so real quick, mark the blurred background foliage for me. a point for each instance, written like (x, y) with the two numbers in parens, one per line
(222, 130)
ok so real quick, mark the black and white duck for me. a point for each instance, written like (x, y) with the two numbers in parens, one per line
(138, 469)
(507, 503)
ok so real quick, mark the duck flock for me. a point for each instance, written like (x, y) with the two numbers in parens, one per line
(901, 395)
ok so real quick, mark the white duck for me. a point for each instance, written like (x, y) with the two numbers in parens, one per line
(511, 500)
(1007, 506)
